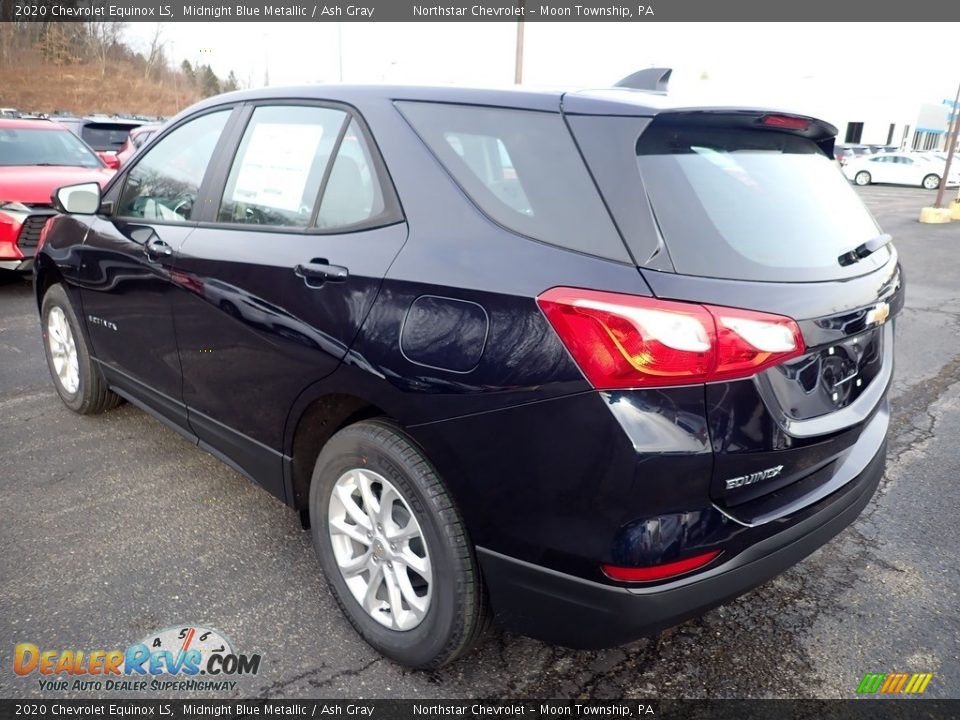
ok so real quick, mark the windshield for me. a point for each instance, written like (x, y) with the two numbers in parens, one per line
(752, 204)
(44, 146)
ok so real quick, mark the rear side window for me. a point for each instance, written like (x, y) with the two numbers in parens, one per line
(352, 194)
(523, 170)
(752, 204)
(280, 166)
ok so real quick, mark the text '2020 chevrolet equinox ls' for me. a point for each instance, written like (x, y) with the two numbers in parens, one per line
(590, 363)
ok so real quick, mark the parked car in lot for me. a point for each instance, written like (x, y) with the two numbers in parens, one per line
(135, 140)
(553, 370)
(901, 169)
(104, 134)
(843, 154)
(36, 157)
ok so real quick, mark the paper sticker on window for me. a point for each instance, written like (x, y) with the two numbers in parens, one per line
(276, 165)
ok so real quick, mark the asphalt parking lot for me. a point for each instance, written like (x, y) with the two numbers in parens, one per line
(114, 527)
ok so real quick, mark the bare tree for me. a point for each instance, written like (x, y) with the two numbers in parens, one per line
(156, 56)
(102, 39)
(58, 46)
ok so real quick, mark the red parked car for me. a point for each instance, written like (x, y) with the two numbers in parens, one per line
(135, 140)
(36, 158)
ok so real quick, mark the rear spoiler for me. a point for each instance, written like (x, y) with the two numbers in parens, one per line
(822, 133)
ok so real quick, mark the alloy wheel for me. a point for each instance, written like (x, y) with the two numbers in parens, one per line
(380, 549)
(63, 350)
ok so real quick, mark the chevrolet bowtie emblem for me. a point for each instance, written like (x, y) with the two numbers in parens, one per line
(878, 314)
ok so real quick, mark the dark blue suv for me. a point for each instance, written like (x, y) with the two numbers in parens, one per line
(590, 363)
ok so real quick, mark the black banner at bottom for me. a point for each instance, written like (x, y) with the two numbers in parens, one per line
(860, 709)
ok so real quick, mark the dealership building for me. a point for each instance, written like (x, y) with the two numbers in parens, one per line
(885, 121)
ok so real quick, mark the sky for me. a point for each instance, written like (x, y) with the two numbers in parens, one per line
(787, 64)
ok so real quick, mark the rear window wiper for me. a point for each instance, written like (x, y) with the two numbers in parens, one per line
(862, 251)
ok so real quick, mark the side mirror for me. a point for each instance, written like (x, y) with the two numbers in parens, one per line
(109, 159)
(82, 199)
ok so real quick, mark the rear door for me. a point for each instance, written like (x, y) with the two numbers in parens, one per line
(728, 210)
(280, 274)
(911, 171)
(884, 169)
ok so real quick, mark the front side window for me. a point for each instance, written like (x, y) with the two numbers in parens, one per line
(165, 182)
(280, 166)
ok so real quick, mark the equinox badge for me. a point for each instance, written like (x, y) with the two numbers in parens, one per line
(753, 477)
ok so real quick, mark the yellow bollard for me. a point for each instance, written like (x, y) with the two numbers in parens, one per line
(935, 215)
(955, 210)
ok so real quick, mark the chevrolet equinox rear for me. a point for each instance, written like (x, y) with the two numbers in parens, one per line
(588, 363)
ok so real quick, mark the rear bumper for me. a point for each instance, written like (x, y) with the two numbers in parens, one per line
(566, 610)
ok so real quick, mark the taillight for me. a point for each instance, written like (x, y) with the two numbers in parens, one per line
(623, 341)
(659, 572)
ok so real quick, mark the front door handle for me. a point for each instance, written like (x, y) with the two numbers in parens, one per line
(157, 248)
(318, 271)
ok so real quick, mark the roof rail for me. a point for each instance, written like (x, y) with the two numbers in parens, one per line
(650, 79)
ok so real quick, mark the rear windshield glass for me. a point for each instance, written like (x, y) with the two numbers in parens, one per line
(105, 136)
(752, 204)
(523, 170)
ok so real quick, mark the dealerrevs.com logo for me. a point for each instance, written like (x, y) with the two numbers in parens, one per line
(175, 659)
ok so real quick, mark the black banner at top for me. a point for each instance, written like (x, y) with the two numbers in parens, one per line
(635, 11)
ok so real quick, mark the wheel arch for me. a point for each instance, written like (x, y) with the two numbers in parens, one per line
(45, 274)
(316, 422)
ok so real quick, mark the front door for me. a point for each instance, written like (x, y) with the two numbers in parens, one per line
(126, 263)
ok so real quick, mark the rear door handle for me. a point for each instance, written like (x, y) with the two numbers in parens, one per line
(318, 271)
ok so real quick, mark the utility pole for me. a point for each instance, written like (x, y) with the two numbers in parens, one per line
(518, 66)
(176, 73)
(951, 150)
(340, 50)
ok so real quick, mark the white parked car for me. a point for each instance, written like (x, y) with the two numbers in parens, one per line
(900, 169)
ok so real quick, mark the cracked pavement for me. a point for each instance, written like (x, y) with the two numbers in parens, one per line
(114, 527)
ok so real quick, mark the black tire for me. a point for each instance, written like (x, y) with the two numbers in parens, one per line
(457, 614)
(92, 395)
(862, 178)
(931, 185)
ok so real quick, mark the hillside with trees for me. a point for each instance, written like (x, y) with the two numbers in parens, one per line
(86, 68)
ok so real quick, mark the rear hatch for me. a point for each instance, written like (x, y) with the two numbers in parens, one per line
(106, 136)
(745, 209)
